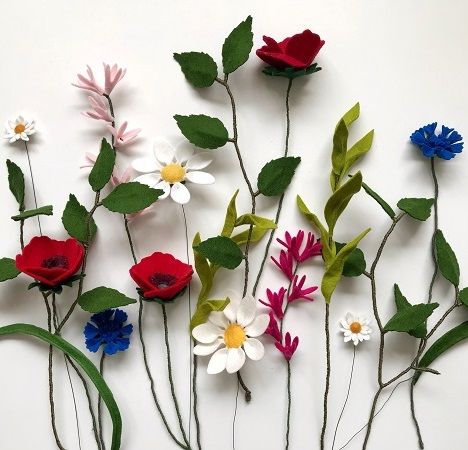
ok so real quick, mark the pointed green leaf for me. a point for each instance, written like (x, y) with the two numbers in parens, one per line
(255, 236)
(222, 251)
(417, 208)
(237, 46)
(352, 114)
(129, 198)
(231, 216)
(355, 264)
(408, 319)
(253, 219)
(463, 296)
(75, 220)
(441, 345)
(102, 170)
(203, 269)
(16, 183)
(102, 298)
(42, 211)
(203, 131)
(402, 303)
(359, 149)
(199, 68)
(204, 309)
(446, 259)
(385, 206)
(8, 269)
(340, 144)
(276, 175)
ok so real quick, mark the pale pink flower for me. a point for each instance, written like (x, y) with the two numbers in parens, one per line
(123, 137)
(112, 75)
(118, 178)
(90, 83)
(99, 110)
(90, 159)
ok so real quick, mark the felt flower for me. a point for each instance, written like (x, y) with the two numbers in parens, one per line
(170, 168)
(273, 329)
(112, 75)
(445, 145)
(289, 346)
(275, 301)
(234, 330)
(122, 137)
(285, 263)
(298, 292)
(108, 330)
(355, 328)
(296, 52)
(161, 276)
(20, 128)
(49, 261)
(294, 245)
(99, 110)
(116, 178)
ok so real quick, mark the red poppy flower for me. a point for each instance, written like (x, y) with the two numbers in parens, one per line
(161, 276)
(49, 261)
(297, 52)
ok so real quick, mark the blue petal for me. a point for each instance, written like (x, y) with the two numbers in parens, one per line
(428, 151)
(445, 154)
(445, 132)
(93, 344)
(123, 344)
(111, 348)
(456, 148)
(90, 331)
(120, 316)
(102, 318)
(430, 128)
(126, 330)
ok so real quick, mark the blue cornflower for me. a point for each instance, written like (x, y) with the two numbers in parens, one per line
(445, 144)
(108, 330)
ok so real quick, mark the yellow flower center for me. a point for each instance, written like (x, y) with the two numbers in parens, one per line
(19, 128)
(355, 327)
(173, 173)
(234, 336)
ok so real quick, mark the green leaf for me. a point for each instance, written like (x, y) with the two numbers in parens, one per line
(204, 309)
(355, 263)
(203, 131)
(385, 206)
(76, 221)
(221, 251)
(252, 219)
(276, 175)
(129, 198)
(334, 267)
(290, 72)
(337, 203)
(409, 318)
(237, 46)
(42, 211)
(255, 236)
(102, 170)
(441, 345)
(231, 216)
(352, 114)
(402, 303)
(203, 269)
(359, 149)
(102, 298)
(340, 144)
(88, 367)
(463, 296)
(8, 269)
(446, 259)
(16, 183)
(199, 68)
(417, 208)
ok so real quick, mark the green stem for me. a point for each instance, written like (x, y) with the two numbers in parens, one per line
(33, 185)
(288, 415)
(327, 378)
(99, 405)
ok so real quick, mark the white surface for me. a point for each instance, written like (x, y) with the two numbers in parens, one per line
(404, 61)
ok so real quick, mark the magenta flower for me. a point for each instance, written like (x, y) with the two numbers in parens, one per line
(275, 302)
(289, 346)
(123, 137)
(112, 75)
(99, 110)
(294, 245)
(285, 263)
(298, 293)
(273, 329)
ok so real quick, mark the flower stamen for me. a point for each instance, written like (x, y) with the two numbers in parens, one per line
(162, 280)
(173, 173)
(234, 336)
(355, 327)
(20, 128)
(56, 261)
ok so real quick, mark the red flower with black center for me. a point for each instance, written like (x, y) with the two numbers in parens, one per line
(297, 52)
(49, 261)
(160, 275)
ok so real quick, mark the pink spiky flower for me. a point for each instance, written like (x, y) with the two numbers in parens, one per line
(273, 329)
(89, 83)
(298, 293)
(289, 346)
(99, 110)
(275, 302)
(293, 244)
(112, 75)
(123, 137)
(285, 263)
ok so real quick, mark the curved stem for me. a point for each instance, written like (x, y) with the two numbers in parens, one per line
(288, 414)
(33, 185)
(248, 393)
(327, 378)
(129, 237)
(99, 405)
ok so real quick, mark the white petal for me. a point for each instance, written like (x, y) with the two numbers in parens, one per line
(347, 338)
(150, 179)
(218, 318)
(246, 311)
(235, 360)
(344, 324)
(199, 161)
(163, 151)
(165, 186)
(206, 333)
(183, 153)
(231, 309)
(180, 194)
(199, 177)
(258, 326)
(218, 361)
(350, 318)
(145, 165)
(254, 349)
(206, 349)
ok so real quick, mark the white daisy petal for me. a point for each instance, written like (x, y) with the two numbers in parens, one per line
(246, 311)
(145, 165)
(349, 318)
(199, 161)
(235, 360)
(150, 179)
(218, 361)
(343, 323)
(163, 151)
(183, 153)
(165, 186)
(258, 326)
(199, 177)
(180, 194)
(254, 349)
(206, 333)
(206, 349)
(219, 319)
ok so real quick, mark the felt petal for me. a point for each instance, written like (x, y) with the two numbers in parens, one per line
(180, 194)
(163, 151)
(199, 177)
(199, 161)
(230, 311)
(254, 349)
(206, 349)
(246, 311)
(218, 361)
(146, 165)
(235, 360)
(183, 153)
(206, 333)
(258, 326)
(150, 179)
(165, 186)
(219, 319)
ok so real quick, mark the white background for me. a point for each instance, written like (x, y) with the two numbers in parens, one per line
(404, 61)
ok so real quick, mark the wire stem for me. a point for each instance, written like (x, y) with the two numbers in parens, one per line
(248, 393)
(99, 405)
(327, 378)
(33, 184)
(288, 415)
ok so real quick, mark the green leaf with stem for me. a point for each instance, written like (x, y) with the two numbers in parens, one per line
(47, 210)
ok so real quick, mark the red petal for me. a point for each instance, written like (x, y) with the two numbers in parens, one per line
(304, 47)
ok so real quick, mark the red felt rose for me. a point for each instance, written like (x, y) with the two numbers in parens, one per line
(297, 52)
(161, 275)
(49, 261)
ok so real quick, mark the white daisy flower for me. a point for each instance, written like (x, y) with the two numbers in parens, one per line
(234, 330)
(170, 168)
(20, 128)
(355, 328)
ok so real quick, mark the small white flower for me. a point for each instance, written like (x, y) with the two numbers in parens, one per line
(171, 167)
(19, 128)
(355, 328)
(234, 330)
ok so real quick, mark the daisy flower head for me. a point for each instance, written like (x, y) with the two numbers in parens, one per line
(235, 330)
(171, 168)
(17, 129)
(355, 328)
